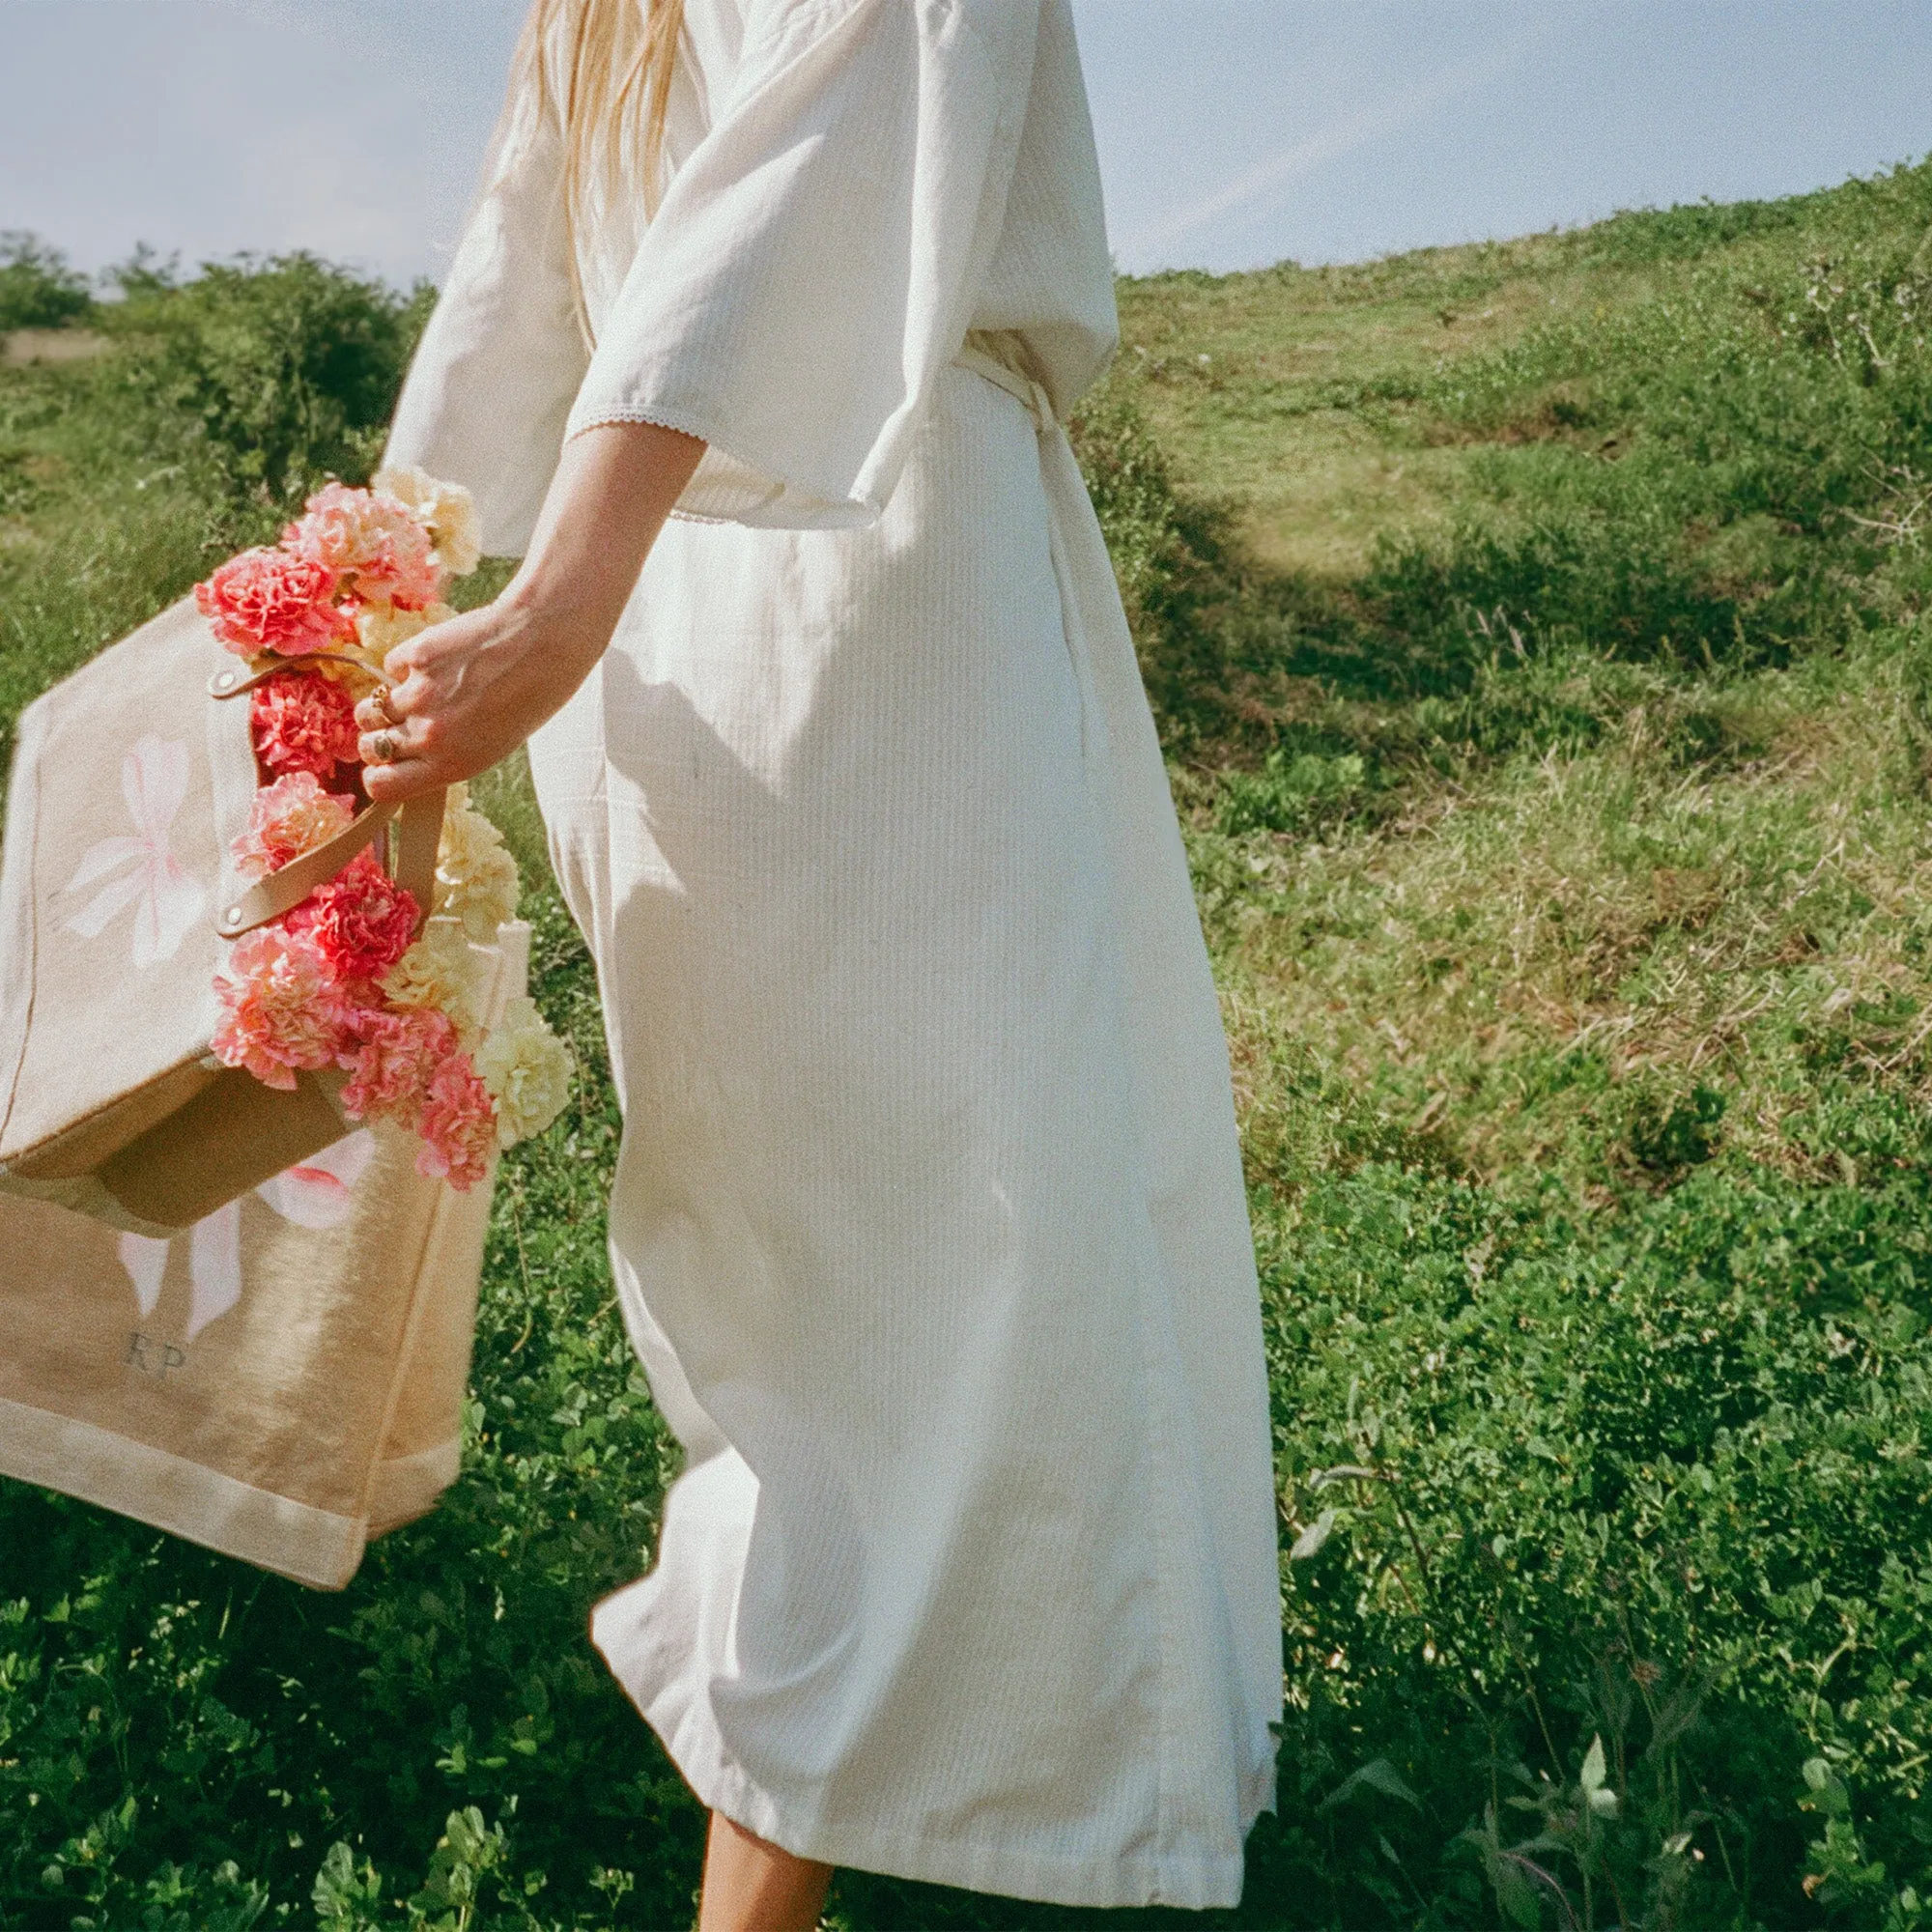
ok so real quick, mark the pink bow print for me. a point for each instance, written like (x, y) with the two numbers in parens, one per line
(166, 900)
(312, 1195)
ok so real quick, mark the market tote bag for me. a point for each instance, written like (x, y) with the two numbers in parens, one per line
(117, 899)
(282, 1381)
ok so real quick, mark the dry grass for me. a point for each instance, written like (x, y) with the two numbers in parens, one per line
(23, 347)
(1238, 377)
(1511, 969)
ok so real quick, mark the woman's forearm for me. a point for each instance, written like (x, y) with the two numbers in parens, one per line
(615, 486)
(467, 691)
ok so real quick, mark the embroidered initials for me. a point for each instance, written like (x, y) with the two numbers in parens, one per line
(152, 1358)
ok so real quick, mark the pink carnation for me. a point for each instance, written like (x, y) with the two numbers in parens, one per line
(292, 816)
(458, 1126)
(302, 721)
(393, 1061)
(266, 600)
(361, 921)
(280, 1008)
(373, 538)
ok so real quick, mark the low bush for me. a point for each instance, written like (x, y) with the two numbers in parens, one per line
(38, 288)
(270, 373)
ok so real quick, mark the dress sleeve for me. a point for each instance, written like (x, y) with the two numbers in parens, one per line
(815, 261)
(501, 357)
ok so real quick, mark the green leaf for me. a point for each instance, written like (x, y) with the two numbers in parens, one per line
(1379, 1775)
(1515, 1892)
(342, 1890)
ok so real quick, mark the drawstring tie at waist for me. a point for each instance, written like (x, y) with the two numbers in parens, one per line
(1002, 357)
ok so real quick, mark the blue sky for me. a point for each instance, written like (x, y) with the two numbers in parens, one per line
(1232, 133)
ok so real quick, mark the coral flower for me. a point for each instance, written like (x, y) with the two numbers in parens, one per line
(266, 600)
(371, 538)
(302, 721)
(458, 1126)
(361, 921)
(280, 1008)
(292, 816)
(391, 1061)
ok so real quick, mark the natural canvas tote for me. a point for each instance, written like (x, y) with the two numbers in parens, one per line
(118, 898)
(281, 1380)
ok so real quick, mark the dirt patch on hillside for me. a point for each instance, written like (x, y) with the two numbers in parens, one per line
(51, 344)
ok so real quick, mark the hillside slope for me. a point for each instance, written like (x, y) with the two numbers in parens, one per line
(1540, 635)
(1537, 634)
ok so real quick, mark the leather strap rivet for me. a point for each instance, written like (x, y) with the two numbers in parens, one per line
(232, 917)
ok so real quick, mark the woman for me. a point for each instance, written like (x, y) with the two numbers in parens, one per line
(929, 1224)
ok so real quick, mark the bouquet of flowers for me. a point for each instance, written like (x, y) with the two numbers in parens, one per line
(355, 976)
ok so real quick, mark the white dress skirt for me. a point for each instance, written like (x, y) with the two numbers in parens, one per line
(929, 1223)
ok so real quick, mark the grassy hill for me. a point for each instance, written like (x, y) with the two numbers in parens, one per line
(1537, 634)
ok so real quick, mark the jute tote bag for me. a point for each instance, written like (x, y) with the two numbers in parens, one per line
(118, 898)
(283, 1379)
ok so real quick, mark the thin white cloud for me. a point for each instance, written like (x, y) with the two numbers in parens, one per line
(1356, 131)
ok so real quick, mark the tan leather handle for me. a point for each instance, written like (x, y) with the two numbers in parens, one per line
(418, 835)
(418, 838)
(235, 682)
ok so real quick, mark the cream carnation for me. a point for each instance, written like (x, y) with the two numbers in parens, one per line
(381, 627)
(527, 1071)
(441, 971)
(447, 509)
(475, 875)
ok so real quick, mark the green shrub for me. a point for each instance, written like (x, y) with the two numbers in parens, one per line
(1681, 233)
(1292, 793)
(282, 372)
(37, 287)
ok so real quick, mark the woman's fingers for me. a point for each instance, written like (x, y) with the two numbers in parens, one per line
(386, 745)
(397, 762)
(390, 784)
(400, 722)
(378, 710)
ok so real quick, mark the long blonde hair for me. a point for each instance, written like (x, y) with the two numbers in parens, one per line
(605, 68)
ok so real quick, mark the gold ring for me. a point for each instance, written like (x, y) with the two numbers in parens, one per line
(382, 697)
(386, 748)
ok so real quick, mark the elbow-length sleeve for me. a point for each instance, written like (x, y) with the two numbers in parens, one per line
(816, 257)
(502, 358)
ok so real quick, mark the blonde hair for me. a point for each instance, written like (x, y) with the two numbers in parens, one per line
(605, 68)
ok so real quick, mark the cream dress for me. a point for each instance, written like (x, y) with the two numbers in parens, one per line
(930, 1224)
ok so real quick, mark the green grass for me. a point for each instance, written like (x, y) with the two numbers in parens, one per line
(1537, 631)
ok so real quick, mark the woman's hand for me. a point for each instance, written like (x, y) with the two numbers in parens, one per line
(468, 692)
